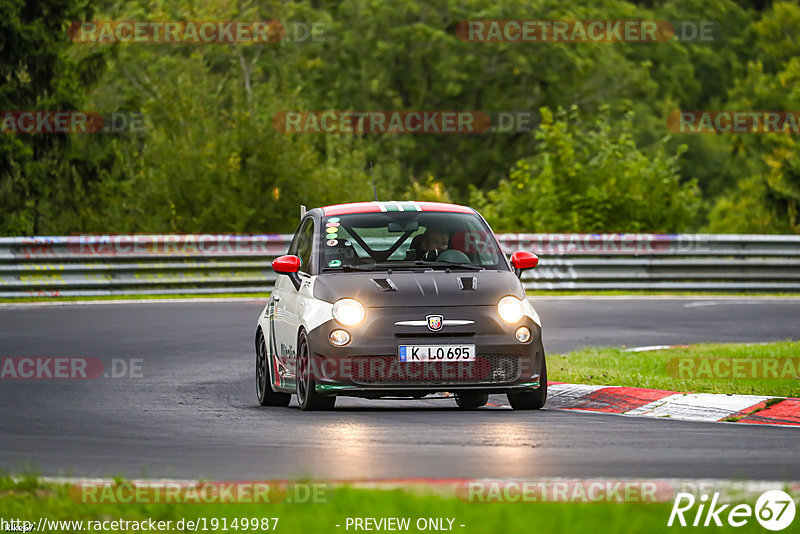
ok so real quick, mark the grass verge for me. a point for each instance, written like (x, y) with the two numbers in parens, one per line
(662, 369)
(31, 500)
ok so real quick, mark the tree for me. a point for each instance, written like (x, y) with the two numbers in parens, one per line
(590, 178)
(39, 172)
(210, 159)
(767, 200)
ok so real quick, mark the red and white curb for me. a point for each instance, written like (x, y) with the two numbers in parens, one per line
(752, 409)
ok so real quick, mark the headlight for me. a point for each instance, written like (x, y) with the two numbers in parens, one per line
(510, 309)
(348, 312)
(339, 338)
(523, 334)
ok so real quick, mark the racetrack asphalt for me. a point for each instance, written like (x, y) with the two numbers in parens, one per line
(193, 413)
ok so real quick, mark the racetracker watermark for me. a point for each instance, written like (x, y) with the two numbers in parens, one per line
(195, 32)
(196, 492)
(584, 31)
(68, 368)
(404, 122)
(588, 244)
(401, 369)
(734, 368)
(732, 121)
(70, 122)
(179, 245)
(588, 491)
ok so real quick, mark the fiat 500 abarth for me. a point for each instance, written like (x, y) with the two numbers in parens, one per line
(399, 299)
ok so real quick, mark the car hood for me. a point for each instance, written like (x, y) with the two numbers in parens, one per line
(414, 289)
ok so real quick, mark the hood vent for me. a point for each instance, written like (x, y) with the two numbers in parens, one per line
(384, 284)
(467, 283)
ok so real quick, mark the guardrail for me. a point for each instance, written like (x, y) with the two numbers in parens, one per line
(197, 264)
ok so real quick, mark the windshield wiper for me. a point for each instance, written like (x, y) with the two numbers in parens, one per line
(403, 265)
(381, 266)
(448, 265)
(351, 268)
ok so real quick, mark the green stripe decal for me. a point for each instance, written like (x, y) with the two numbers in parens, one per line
(323, 388)
(399, 206)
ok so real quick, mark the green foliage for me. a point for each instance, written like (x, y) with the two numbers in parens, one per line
(211, 160)
(36, 73)
(590, 177)
(767, 198)
(427, 190)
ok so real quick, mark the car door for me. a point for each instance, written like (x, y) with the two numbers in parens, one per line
(288, 303)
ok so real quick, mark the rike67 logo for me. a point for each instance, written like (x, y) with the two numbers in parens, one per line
(774, 510)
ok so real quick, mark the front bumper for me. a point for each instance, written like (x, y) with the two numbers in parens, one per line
(369, 365)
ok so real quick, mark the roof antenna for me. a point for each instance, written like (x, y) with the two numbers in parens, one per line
(303, 210)
(372, 172)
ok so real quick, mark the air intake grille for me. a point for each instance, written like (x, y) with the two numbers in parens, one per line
(467, 283)
(384, 284)
(389, 371)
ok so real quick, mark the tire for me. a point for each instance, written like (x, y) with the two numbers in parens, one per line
(266, 396)
(307, 396)
(534, 400)
(471, 400)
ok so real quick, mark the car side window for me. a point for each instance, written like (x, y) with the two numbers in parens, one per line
(303, 244)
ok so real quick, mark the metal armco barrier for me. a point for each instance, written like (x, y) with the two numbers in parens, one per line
(198, 264)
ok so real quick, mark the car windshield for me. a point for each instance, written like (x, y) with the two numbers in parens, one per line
(410, 240)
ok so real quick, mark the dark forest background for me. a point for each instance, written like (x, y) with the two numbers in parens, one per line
(600, 157)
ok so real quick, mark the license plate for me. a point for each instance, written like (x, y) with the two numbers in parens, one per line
(436, 353)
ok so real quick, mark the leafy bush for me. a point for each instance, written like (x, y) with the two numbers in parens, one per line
(591, 178)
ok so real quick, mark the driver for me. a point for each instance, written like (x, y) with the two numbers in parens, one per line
(433, 242)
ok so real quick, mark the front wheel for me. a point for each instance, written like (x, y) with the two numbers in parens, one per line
(266, 397)
(307, 396)
(533, 400)
(471, 400)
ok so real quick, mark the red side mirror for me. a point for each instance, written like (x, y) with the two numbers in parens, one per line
(522, 260)
(286, 264)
